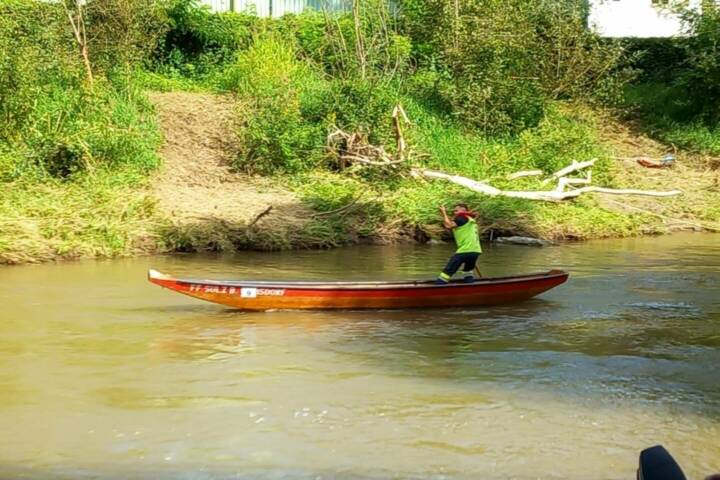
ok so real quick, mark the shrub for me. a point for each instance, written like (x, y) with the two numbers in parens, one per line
(506, 59)
(50, 118)
(275, 89)
(34, 53)
(198, 41)
(701, 80)
(123, 33)
(363, 105)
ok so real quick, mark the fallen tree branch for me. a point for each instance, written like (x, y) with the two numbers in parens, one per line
(565, 182)
(349, 148)
(365, 161)
(459, 180)
(574, 167)
(546, 196)
(260, 215)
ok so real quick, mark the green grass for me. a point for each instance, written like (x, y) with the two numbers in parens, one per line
(72, 183)
(663, 112)
(567, 133)
(168, 82)
(101, 215)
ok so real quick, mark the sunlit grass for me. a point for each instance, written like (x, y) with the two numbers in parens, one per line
(104, 215)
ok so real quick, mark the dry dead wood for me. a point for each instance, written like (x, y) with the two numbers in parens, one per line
(574, 167)
(77, 22)
(355, 149)
(260, 215)
(541, 195)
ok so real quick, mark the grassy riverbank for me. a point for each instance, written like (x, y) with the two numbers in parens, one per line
(100, 166)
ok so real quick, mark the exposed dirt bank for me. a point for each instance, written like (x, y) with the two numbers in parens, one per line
(209, 206)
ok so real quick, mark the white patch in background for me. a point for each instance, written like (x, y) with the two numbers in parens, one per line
(634, 18)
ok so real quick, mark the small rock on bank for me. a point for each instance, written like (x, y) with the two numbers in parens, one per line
(528, 241)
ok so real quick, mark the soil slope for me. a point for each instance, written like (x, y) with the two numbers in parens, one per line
(208, 205)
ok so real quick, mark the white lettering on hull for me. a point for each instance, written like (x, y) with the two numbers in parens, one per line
(244, 292)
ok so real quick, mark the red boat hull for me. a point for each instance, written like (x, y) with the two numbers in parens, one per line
(356, 295)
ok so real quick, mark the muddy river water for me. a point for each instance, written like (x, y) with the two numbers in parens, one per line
(103, 375)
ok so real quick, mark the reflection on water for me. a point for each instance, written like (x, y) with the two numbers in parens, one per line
(104, 375)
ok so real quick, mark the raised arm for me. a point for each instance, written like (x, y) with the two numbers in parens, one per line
(446, 220)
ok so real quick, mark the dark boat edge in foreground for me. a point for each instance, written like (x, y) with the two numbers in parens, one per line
(268, 295)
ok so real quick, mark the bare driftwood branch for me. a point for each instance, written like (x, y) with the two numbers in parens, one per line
(371, 162)
(565, 182)
(546, 196)
(260, 215)
(355, 148)
(574, 167)
(525, 173)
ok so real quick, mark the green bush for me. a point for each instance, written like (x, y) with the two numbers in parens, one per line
(700, 81)
(506, 59)
(681, 79)
(198, 42)
(363, 105)
(34, 53)
(288, 105)
(51, 118)
(657, 59)
(123, 34)
(275, 89)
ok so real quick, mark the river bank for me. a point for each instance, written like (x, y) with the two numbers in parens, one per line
(173, 128)
(196, 202)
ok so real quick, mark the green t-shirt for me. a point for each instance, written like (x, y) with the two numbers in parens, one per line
(466, 235)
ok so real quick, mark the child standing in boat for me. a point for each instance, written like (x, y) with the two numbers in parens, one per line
(465, 230)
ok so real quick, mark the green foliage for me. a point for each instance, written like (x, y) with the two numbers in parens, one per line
(278, 94)
(105, 214)
(123, 33)
(170, 82)
(566, 133)
(657, 59)
(505, 60)
(55, 122)
(34, 53)
(197, 42)
(75, 131)
(701, 80)
(666, 113)
(327, 192)
(678, 99)
(288, 104)
(362, 105)
(73, 154)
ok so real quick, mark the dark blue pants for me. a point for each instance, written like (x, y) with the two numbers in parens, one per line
(465, 260)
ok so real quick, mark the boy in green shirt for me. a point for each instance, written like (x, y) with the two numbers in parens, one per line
(465, 231)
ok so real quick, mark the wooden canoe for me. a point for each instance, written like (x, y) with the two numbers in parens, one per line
(255, 295)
